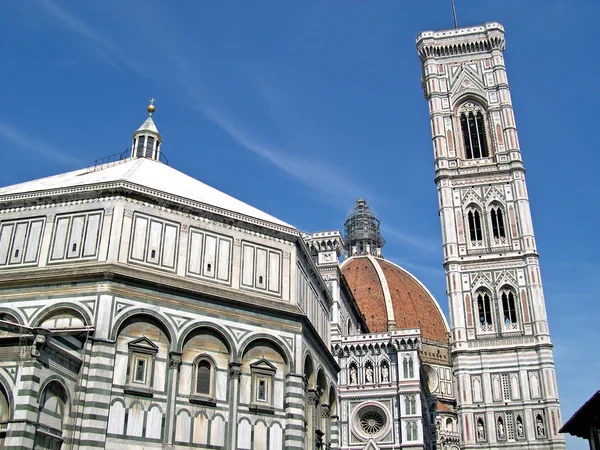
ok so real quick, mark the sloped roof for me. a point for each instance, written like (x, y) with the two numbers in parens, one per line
(145, 173)
(148, 125)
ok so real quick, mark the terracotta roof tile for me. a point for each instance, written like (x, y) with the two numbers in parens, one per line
(413, 306)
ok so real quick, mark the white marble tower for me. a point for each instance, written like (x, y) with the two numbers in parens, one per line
(500, 342)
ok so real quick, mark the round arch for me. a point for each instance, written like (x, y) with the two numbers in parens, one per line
(287, 356)
(308, 369)
(43, 313)
(213, 327)
(470, 95)
(148, 313)
(11, 312)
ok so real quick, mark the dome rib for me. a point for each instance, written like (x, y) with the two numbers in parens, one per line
(376, 282)
(389, 308)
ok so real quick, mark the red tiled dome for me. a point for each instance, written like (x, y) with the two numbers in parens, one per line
(408, 301)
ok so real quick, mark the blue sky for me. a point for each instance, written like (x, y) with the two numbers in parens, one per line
(306, 106)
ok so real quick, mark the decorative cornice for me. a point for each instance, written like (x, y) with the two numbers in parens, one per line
(155, 194)
(461, 41)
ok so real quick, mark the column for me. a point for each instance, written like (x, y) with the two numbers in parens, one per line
(20, 433)
(235, 372)
(172, 385)
(335, 437)
(295, 409)
(92, 395)
(312, 420)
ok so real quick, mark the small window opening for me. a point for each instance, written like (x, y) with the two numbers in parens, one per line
(140, 147)
(203, 378)
(260, 280)
(140, 371)
(153, 254)
(16, 253)
(209, 267)
(262, 390)
(74, 247)
(150, 147)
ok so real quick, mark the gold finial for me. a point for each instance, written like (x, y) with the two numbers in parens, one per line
(151, 108)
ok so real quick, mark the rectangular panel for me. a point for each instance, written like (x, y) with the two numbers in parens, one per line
(261, 269)
(274, 271)
(5, 238)
(195, 252)
(92, 234)
(210, 248)
(33, 241)
(75, 237)
(224, 258)
(154, 241)
(247, 265)
(16, 253)
(140, 228)
(169, 246)
(60, 238)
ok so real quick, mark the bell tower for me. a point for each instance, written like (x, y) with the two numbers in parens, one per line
(500, 341)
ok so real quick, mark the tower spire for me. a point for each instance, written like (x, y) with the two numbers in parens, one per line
(454, 15)
(146, 139)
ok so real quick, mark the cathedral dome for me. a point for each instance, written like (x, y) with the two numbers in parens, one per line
(392, 298)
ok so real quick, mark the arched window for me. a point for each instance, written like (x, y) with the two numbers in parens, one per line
(475, 233)
(411, 431)
(349, 328)
(509, 312)
(484, 311)
(53, 411)
(497, 219)
(203, 377)
(473, 130)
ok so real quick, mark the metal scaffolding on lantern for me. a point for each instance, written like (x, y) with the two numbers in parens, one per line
(362, 231)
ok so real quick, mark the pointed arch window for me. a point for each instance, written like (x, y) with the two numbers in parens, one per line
(410, 404)
(484, 311)
(473, 130)
(497, 219)
(475, 232)
(411, 431)
(509, 311)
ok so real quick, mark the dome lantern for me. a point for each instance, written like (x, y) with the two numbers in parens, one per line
(146, 139)
(362, 231)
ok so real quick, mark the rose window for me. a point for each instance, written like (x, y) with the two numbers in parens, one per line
(372, 422)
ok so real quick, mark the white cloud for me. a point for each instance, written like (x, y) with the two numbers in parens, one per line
(314, 174)
(425, 244)
(35, 145)
(108, 51)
